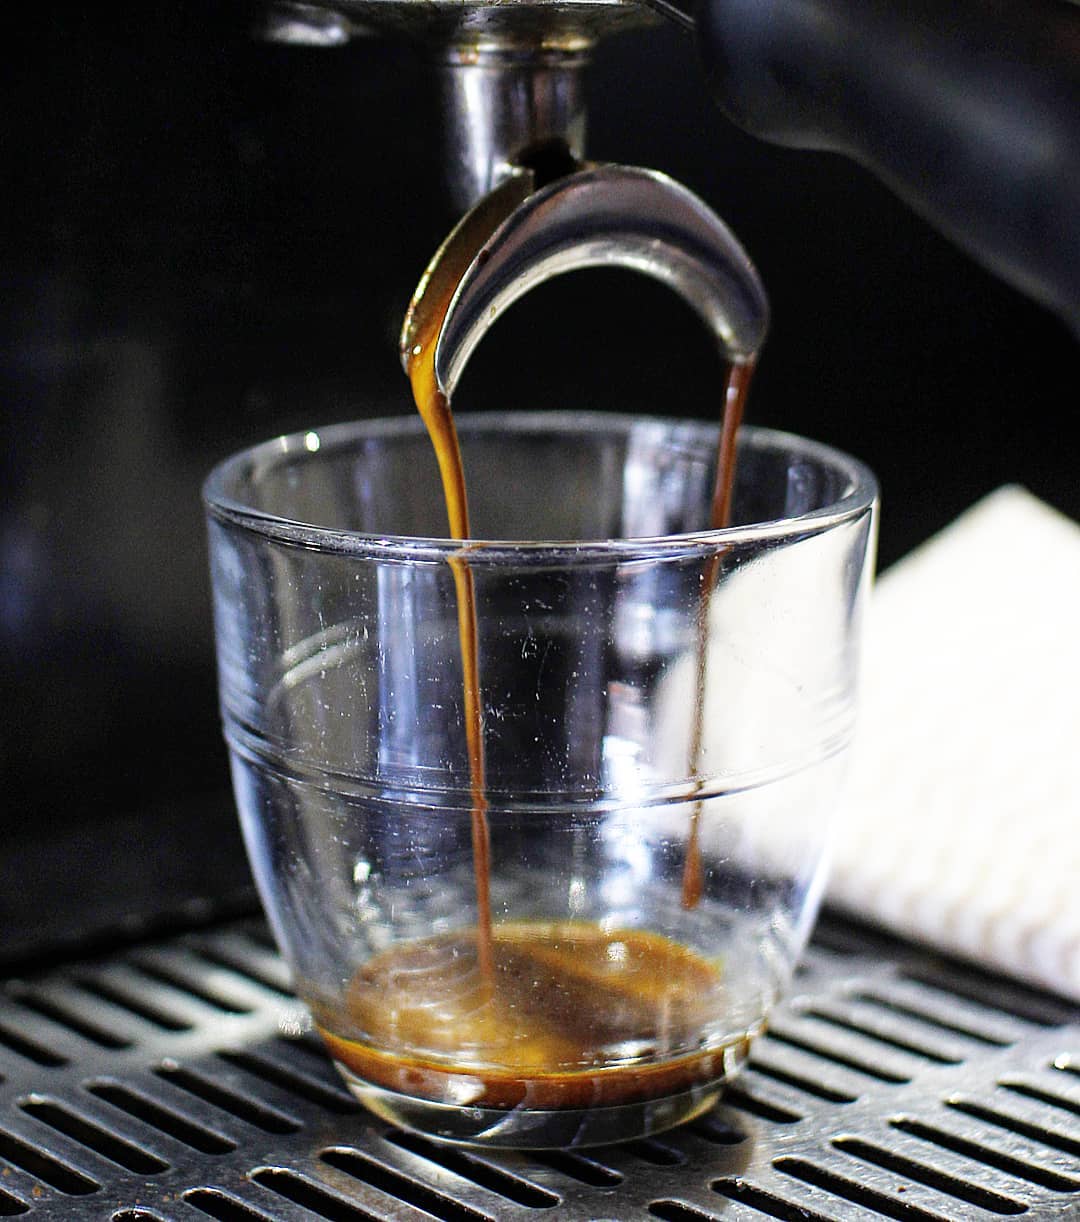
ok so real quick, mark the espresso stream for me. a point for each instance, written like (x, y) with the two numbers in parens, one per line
(435, 411)
(545, 1015)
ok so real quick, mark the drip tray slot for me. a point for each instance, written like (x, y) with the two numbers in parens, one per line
(179, 1080)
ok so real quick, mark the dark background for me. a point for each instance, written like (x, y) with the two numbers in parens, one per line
(211, 240)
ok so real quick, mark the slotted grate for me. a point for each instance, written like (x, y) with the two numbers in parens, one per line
(179, 1081)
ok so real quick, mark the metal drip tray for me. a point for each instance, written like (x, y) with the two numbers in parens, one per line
(178, 1080)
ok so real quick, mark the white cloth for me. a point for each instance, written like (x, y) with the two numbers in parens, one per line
(962, 820)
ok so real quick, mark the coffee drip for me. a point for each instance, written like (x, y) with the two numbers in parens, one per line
(735, 392)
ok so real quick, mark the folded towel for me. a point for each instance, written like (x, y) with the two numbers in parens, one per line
(962, 825)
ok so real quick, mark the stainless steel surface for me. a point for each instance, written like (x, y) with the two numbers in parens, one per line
(496, 102)
(306, 25)
(683, 17)
(510, 72)
(605, 216)
(475, 23)
(178, 1080)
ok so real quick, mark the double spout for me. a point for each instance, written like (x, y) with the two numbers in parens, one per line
(968, 109)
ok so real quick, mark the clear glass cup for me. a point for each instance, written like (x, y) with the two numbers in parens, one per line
(666, 713)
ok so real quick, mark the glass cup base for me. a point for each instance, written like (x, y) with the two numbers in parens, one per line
(524, 1128)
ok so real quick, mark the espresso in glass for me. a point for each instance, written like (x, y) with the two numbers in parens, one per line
(565, 926)
(540, 1014)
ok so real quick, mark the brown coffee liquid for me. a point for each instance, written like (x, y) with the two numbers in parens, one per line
(569, 1013)
(738, 386)
(434, 409)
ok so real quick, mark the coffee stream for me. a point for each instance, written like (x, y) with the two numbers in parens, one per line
(533, 1013)
(735, 392)
(435, 411)
(434, 408)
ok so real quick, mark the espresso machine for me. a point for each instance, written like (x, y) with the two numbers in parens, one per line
(216, 227)
(997, 172)
(216, 222)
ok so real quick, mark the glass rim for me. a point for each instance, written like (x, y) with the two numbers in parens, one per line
(858, 498)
